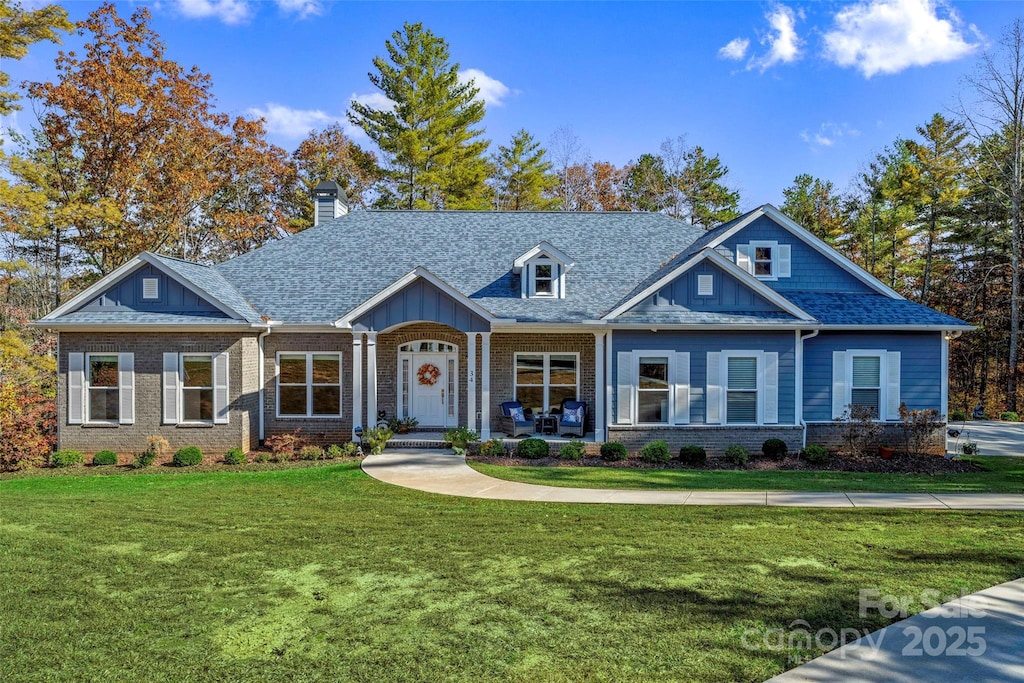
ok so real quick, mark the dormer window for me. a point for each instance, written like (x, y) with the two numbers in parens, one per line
(542, 272)
(764, 260)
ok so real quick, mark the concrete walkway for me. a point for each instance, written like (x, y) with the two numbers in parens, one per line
(992, 436)
(979, 638)
(438, 471)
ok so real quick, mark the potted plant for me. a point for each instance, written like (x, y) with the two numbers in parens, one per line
(460, 437)
(407, 424)
(886, 452)
(377, 438)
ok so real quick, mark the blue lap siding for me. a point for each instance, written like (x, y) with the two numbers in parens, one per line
(698, 344)
(920, 367)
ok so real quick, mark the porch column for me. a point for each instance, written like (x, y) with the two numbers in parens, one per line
(485, 386)
(471, 380)
(357, 382)
(371, 379)
(608, 418)
(599, 384)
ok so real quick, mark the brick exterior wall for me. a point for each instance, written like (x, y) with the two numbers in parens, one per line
(830, 435)
(149, 349)
(713, 439)
(319, 430)
(503, 350)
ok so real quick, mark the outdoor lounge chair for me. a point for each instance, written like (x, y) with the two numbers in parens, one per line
(572, 419)
(516, 428)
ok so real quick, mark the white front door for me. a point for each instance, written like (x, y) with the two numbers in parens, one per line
(433, 385)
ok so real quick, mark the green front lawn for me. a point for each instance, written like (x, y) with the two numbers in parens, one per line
(1004, 475)
(322, 573)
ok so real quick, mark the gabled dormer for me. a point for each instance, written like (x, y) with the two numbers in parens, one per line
(542, 272)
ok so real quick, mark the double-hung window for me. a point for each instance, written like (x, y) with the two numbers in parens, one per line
(544, 380)
(196, 387)
(103, 392)
(653, 390)
(866, 382)
(309, 385)
(762, 260)
(741, 390)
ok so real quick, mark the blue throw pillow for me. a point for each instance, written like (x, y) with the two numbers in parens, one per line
(517, 414)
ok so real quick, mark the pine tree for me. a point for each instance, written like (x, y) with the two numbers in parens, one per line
(522, 176)
(707, 200)
(814, 204)
(433, 154)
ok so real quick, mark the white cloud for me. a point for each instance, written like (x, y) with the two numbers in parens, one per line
(227, 11)
(782, 41)
(735, 49)
(828, 134)
(292, 123)
(492, 91)
(303, 8)
(888, 36)
(374, 100)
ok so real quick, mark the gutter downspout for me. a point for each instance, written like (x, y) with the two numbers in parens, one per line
(262, 392)
(800, 383)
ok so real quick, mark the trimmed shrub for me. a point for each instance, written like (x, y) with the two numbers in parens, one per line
(189, 456)
(695, 456)
(377, 438)
(263, 456)
(144, 459)
(461, 437)
(311, 453)
(776, 449)
(283, 446)
(1009, 416)
(815, 454)
(235, 456)
(574, 450)
(612, 451)
(737, 455)
(105, 458)
(655, 451)
(957, 416)
(532, 448)
(494, 447)
(66, 458)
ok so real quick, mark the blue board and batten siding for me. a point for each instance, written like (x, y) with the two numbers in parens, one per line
(728, 294)
(811, 270)
(920, 368)
(126, 295)
(698, 344)
(420, 301)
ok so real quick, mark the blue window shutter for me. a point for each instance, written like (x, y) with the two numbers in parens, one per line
(839, 400)
(76, 388)
(221, 399)
(771, 388)
(126, 382)
(713, 394)
(170, 388)
(682, 388)
(892, 385)
(624, 392)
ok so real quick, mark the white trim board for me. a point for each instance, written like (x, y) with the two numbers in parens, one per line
(543, 248)
(725, 264)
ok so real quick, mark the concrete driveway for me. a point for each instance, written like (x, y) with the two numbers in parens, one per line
(993, 437)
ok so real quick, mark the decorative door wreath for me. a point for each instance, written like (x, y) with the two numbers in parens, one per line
(428, 374)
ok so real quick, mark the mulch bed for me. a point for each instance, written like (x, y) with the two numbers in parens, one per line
(900, 463)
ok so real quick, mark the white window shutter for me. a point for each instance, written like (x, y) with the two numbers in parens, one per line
(170, 388)
(839, 400)
(221, 398)
(713, 395)
(531, 285)
(743, 257)
(624, 393)
(126, 382)
(770, 389)
(76, 388)
(682, 384)
(892, 385)
(785, 267)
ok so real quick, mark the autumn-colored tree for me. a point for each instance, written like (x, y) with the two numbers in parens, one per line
(133, 150)
(433, 152)
(606, 182)
(20, 28)
(522, 178)
(28, 391)
(329, 154)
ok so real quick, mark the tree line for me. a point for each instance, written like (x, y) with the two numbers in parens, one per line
(130, 153)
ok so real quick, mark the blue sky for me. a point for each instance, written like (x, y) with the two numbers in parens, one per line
(775, 89)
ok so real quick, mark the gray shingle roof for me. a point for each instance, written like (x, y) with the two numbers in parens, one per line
(834, 308)
(122, 317)
(210, 280)
(322, 273)
(704, 317)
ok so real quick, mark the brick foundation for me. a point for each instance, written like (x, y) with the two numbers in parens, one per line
(829, 435)
(714, 439)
